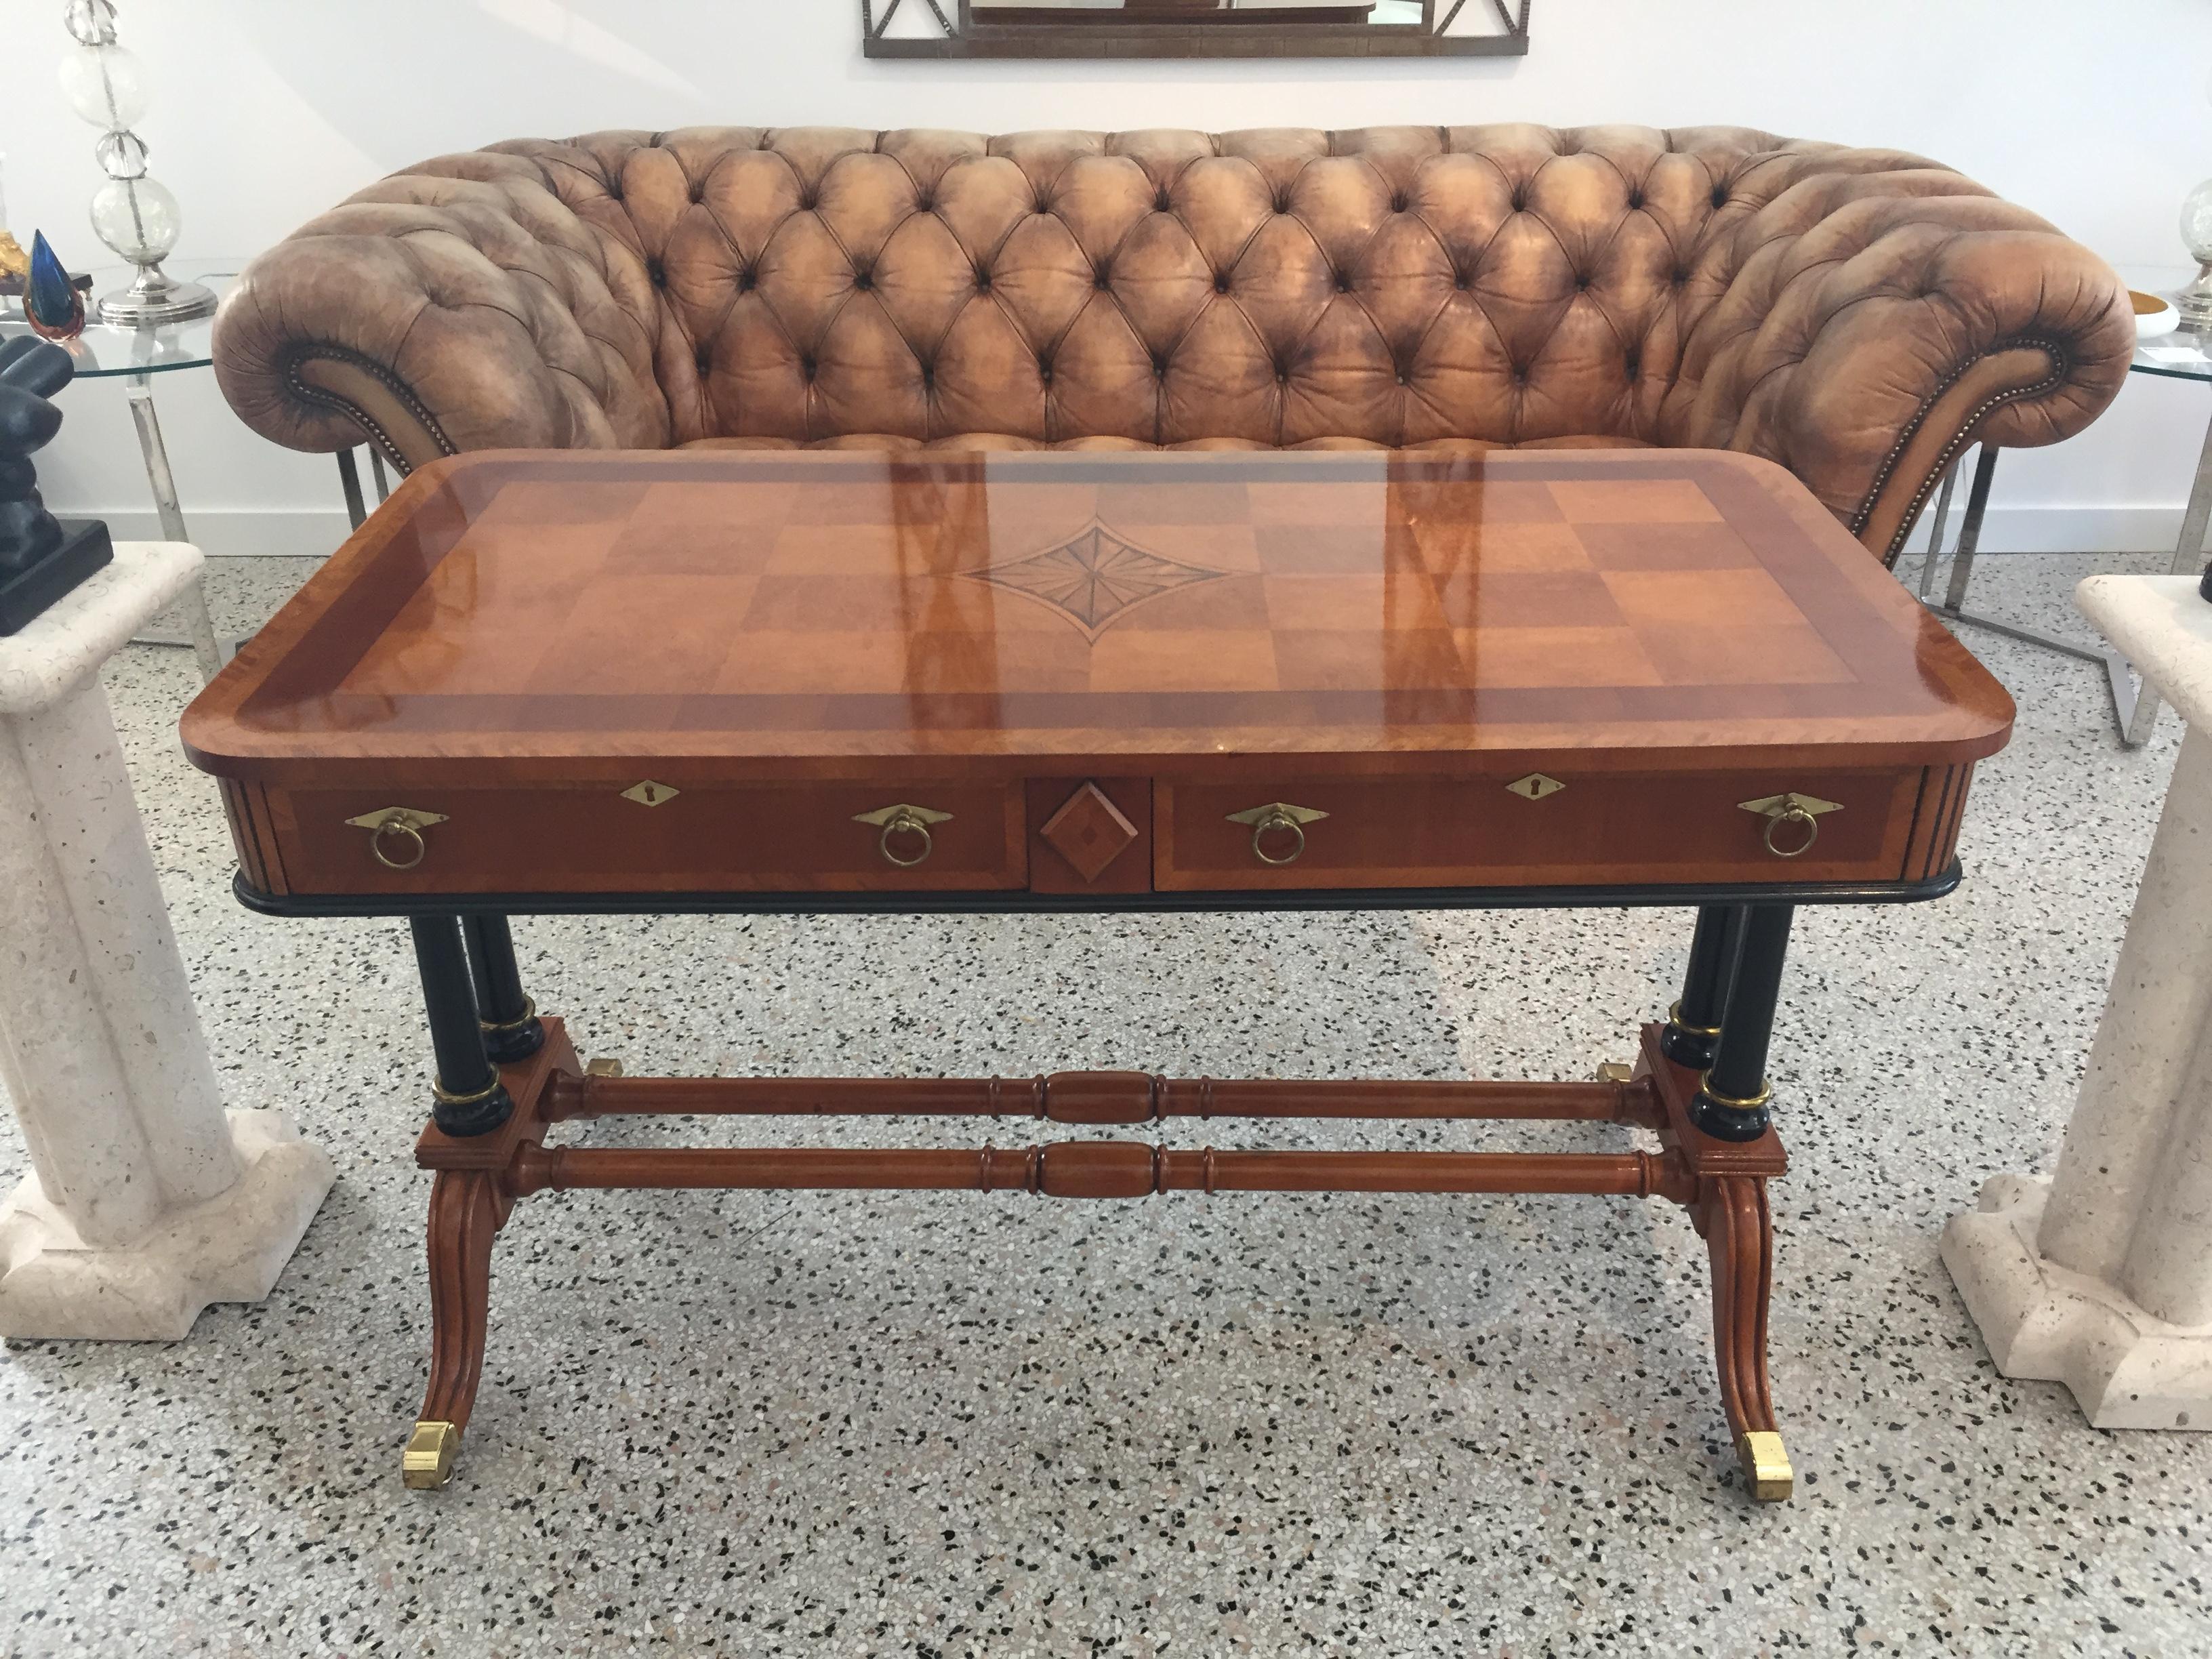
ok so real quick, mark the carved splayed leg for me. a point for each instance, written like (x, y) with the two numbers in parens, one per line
(1740, 1239)
(466, 1212)
(478, 1180)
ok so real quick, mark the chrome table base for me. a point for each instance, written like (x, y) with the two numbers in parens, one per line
(208, 652)
(350, 481)
(2135, 707)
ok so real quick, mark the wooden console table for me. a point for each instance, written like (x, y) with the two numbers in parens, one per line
(1079, 681)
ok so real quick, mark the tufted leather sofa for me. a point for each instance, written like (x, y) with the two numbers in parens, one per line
(1856, 315)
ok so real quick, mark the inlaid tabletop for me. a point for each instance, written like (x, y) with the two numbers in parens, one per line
(770, 610)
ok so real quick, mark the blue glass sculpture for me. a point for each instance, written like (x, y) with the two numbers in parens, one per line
(52, 304)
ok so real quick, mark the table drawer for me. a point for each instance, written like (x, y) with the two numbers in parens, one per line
(593, 838)
(1597, 830)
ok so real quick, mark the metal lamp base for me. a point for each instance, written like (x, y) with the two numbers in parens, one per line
(156, 298)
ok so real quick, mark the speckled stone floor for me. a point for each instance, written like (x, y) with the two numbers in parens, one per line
(933, 1425)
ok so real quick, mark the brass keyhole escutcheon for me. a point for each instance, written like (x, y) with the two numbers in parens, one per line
(901, 826)
(395, 834)
(1277, 818)
(1793, 822)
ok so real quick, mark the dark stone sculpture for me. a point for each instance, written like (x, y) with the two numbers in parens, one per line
(40, 557)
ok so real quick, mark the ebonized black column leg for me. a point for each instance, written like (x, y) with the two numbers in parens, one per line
(509, 1018)
(469, 1099)
(1731, 1104)
(1693, 1024)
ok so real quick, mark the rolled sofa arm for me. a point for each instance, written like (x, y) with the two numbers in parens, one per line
(460, 305)
(1875, 314)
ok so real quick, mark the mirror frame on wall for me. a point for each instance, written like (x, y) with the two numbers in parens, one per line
(959, 35)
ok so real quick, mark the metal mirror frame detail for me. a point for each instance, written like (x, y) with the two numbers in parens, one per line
(963, 36)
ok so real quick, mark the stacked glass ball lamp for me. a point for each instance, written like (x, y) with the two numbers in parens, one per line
(133, 214)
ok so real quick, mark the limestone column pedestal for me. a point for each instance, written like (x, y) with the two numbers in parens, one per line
(2101, 1277)
(146, 1200)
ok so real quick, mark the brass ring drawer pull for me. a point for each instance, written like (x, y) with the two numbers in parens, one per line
(407, 835)
(1284, 822)
(903, 819)
(1277, 816)
(1791, 815)
(395, 834)
(905, 823)
(1795, 810)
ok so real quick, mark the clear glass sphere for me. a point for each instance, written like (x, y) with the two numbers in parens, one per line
(2197, 223)
(105, 86)
(136, 217)
(92, 21)
(121, 155)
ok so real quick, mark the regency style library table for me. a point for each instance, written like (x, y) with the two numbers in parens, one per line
(1078, 682)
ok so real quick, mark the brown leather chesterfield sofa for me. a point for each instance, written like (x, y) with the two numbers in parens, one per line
(1858, 315)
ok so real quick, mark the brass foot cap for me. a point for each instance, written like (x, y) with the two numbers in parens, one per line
(1765, 1463)
(1612, 1070)
(603, 1068)
(428, 1462)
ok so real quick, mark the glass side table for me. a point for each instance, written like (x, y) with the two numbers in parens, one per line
(135, 356)
(2181, 356)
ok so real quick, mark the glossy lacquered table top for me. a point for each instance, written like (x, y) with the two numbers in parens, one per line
(985, 611)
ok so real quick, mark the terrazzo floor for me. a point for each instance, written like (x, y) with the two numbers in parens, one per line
(941, 1426)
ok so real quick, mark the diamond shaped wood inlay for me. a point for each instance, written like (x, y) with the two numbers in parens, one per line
(1089, 831)
(1095, 578)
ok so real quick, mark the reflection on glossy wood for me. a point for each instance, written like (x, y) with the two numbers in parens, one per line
(769, 646)
(535, 614)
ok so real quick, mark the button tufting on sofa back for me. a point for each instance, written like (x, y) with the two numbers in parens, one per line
(1854, 315)
(1395, 285)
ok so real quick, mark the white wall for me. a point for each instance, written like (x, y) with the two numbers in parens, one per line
(268, 111)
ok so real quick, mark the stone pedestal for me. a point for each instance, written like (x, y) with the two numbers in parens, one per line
(2101, 1277)
(146, 1199)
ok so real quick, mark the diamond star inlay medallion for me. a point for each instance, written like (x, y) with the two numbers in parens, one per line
(1095, 578)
